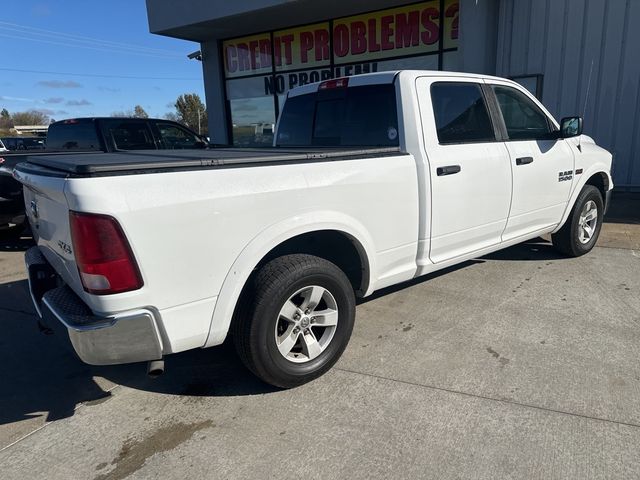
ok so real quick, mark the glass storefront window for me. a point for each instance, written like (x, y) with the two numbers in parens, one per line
(451, 61)
(426, 62)
(253, 121)
(260, 69)
(253, 114)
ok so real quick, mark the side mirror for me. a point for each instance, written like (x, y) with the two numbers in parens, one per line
(570, 127)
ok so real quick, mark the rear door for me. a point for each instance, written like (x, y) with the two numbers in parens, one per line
(542, 164)
(469, 168)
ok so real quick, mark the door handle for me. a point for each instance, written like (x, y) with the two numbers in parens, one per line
(524, 160)
(448, 170)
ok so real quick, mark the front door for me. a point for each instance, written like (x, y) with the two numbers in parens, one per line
(469, 168)
(542, 164)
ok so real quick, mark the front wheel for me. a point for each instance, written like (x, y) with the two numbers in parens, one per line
(580, 232)
(295, 319)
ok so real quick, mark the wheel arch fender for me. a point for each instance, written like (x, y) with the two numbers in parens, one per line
(596, 169)
(269, 239)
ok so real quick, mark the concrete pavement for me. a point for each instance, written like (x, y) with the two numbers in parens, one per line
(522, 364)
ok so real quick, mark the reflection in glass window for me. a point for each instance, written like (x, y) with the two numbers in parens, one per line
(253, 121)
(253, 113)
(425, 62)
(451, 61)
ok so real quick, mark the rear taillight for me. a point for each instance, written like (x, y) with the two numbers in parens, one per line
(103, 255)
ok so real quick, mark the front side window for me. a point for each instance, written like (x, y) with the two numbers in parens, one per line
(131, 136)
(461, 113)
(522, 117)
(174, 137)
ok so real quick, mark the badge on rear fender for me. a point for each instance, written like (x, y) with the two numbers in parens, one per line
(64, 247)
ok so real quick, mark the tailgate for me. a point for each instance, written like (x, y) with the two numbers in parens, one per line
(48, 213)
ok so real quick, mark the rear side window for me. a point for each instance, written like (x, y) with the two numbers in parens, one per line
(73, 135)
(363, 116)
(522, 117)
(461, 113)
(130, 135)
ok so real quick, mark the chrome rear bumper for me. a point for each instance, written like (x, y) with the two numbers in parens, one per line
(125, 337)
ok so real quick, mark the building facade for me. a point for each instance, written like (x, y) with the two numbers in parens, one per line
(577, 56)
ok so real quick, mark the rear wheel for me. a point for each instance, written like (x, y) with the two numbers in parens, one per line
(580, 232)
(295, 320)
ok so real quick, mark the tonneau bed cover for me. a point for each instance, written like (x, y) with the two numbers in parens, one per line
(147, 161)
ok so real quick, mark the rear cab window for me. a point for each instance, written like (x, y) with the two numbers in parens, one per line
(359, 116)
(73, 135)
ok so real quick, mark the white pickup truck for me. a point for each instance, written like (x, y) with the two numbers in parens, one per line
(373, 180)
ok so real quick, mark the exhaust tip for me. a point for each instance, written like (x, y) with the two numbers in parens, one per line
(155, 368)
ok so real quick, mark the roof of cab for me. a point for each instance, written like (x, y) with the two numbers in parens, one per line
(388, 77)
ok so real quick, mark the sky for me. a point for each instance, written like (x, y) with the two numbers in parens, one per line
(67, 58)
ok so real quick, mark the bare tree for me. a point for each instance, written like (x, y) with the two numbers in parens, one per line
(31, 117)
(139, 112)
(5, 120)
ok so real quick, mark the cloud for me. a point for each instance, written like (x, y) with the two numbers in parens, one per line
(78, 103)
(109, 89)
(15, 99)
(54, 100)
(62, 112)
(45, 111)
(59, 84)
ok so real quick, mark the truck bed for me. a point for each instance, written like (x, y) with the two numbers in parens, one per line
(149, 161)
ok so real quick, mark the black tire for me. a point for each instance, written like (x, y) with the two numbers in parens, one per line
(567, 240)
(258, 313)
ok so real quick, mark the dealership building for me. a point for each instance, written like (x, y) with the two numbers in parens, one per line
(577, 56)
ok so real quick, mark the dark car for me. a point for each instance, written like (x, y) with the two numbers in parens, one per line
(110, 134)
(78, 135)
(24, 143)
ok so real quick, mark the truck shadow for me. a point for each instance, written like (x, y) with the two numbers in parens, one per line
(40, 377)
(537, 249)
